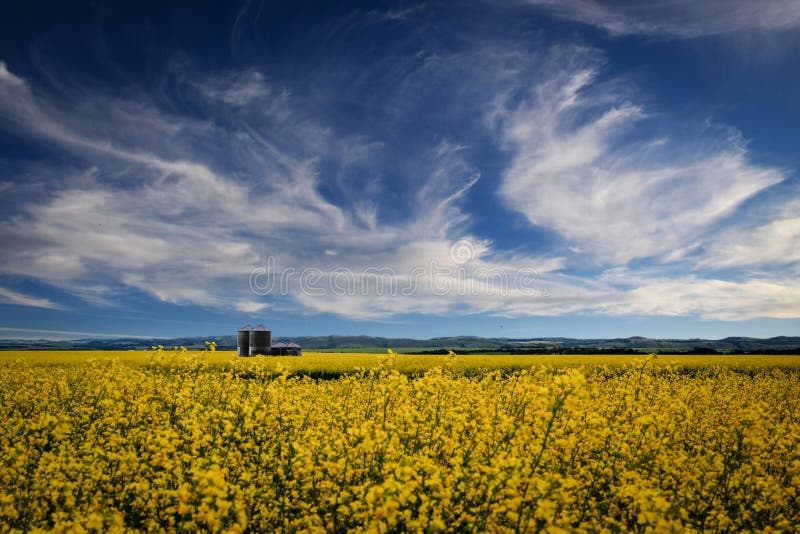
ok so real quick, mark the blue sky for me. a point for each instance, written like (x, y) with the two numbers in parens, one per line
(513, 168)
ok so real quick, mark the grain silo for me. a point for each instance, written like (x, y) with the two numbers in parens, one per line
(243, 340)
(260, 341)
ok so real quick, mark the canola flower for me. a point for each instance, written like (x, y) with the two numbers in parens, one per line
(183, 444)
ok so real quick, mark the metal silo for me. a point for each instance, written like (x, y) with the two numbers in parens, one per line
(260, 341)
(243, 341)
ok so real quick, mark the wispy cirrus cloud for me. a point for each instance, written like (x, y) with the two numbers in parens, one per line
(680, 19)
(184, 206)
(773, 240)
(38, 333)
(9, 78)
(8, 296)
(249, 306)
(661, 292)
(236, 89)
(187, 225)
(582, 166)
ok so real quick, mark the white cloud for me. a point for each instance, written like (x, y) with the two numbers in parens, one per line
(577, 168)
(709, 298)
(39, 333)
(683, 19)
(9, 78)
(247, 306)
(185, 232)
(184, 209)
(774, 241)
(240, 89)
(427, 276)
(19, 299)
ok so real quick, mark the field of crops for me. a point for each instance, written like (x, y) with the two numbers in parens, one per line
(334, 365)
(177, 441)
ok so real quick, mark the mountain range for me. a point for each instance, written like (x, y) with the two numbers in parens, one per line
(462, 344)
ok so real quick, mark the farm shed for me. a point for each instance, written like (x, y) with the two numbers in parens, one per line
(286, 348)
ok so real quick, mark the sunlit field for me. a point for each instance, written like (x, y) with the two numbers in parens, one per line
(178, 441)
(327, 365)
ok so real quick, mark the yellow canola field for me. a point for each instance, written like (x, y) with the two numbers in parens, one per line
(180, 442)
(331, 364)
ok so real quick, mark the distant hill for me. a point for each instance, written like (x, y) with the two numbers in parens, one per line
(775, 345)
